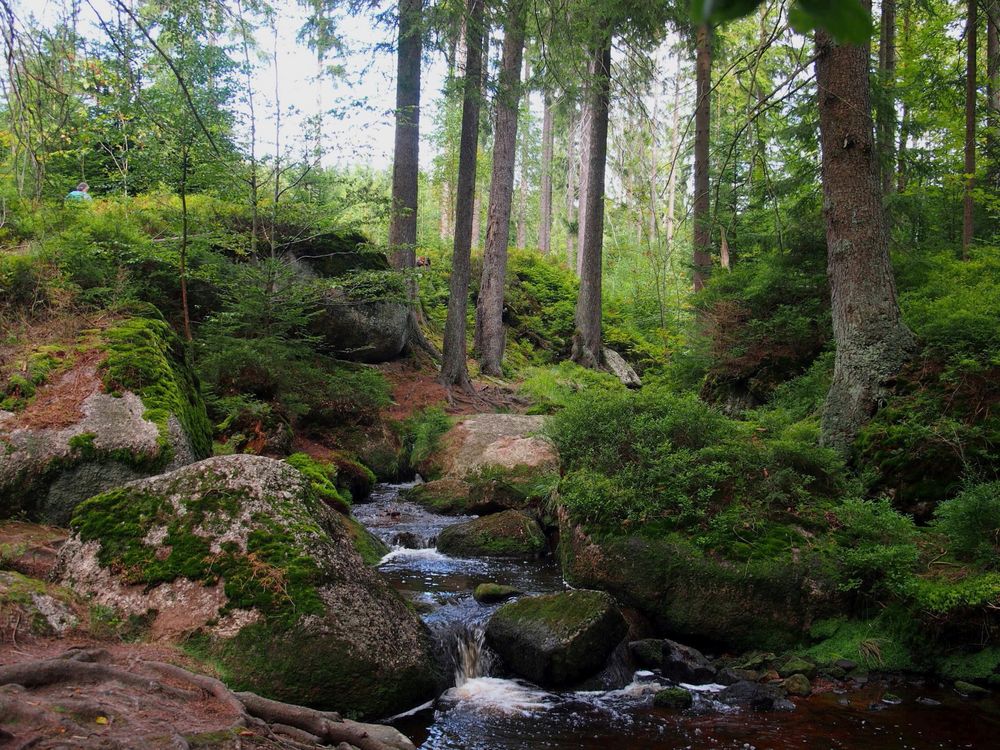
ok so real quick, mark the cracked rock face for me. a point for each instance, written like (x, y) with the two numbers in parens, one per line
(237, 552)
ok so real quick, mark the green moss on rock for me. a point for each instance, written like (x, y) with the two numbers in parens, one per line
(507, 534)
(557, 639)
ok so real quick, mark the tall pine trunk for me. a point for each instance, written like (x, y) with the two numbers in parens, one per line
(406, 151)
(545, 207)
(587, 336)
(586, 120)
(872, 341)
(702, 257)
(489, 337)
(971, 27)
(885, 134)
(454, 370)
(993, 92)
(571, 187)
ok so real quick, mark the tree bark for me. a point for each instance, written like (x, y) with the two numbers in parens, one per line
(675, 122)
(871, 339)
(454, 370)
(702, 257)
(489, 337)
(586, 120)
(571, 187)
(885, 137)
(993, 92)
(545, 209)
(904, 122)
(406, 151)
(970, 125)
(587, 336)
(185, 166)
(522, 187)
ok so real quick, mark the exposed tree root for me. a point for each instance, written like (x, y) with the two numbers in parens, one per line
(40, 702)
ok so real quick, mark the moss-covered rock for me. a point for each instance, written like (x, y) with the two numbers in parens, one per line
(448, 496)
(129, 407)
(33, 608)
(796, 665)
(676, 698)
(507, 534)
(241, 558)
(362, 329)
(557, 639)
(688, 594)
(797, 684)
(491, 593)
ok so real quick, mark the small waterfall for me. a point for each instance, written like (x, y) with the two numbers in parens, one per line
(472, 658)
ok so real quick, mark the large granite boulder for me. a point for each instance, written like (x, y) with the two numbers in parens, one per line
(507, 534)
(557, 639)
(362, 329)
(118, 405)
(487, 463)
(240, 557)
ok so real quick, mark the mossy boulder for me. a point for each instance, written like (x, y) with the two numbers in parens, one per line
(33, 608)
(676, 698)
(690, 595)
(686, 664)
(361, 329)
(239, 557)
(448, 496)
(507, 534)
(491, 593)
(797, 684)
(557, 639)
(797, 665)
(128, 407)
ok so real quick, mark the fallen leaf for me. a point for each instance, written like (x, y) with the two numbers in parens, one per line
(101, 720)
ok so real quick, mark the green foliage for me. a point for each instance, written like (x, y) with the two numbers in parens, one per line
(653, 456)
(374, 286)
(971, 521)
(421, 434)
(259, 345)
(551, 388)
(763, 324)
(943, 422)
(875, 547)
(873, 644)
(41, 364)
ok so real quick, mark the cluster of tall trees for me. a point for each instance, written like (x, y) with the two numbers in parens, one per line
(867, 138)
(647, 145)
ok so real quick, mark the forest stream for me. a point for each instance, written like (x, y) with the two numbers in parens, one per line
(486, 710)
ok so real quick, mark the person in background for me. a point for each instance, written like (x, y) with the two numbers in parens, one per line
(80, 194)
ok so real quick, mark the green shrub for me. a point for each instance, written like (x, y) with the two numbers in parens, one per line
(551, 388)
(421, 434)
(875, 547)
(971, 521)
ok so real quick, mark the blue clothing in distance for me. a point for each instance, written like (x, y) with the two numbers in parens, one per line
(78, 195)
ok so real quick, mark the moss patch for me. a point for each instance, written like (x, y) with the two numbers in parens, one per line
(507, 534)
(146, 357)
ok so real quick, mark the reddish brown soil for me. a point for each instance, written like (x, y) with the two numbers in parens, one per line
(59, 403)
(30, 548)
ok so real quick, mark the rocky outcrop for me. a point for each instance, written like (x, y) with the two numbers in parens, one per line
(507, 534)
(240, 557)
(685, 593)
(492, 593)
(509, 442)
(617, 366)
(126, 408)
(488, 463)
(30, 608)
(557, 639)
(682, 663)
(359, 329)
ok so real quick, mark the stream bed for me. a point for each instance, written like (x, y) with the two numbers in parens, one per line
(485, 710)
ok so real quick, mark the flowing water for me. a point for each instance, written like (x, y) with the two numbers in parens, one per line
(484, 710)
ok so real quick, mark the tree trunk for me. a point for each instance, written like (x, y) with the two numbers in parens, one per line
(406, 153)
(993, 92)
(182, 270)
(885, 137)
(586, 120)
(675, 122)
(571, 188)
(477, 212)
(545, 209)
(904, 122)
(702, 256)
(970, 125)
(489, 338)
(525, 157)
(872, 341)
(453, 366)
(587, 336)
